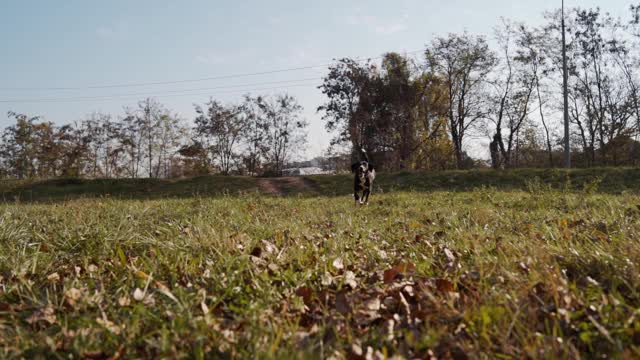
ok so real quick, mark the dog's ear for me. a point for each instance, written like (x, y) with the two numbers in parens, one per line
(371, 167)
(354, 167)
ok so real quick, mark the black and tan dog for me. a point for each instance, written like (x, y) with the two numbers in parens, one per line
(365, 173)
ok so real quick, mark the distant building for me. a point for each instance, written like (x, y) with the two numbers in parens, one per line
(302, 171)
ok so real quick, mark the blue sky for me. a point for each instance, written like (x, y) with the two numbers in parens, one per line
(75, 43)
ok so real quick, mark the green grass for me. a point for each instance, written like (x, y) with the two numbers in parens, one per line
(613, 180)
(491, 265)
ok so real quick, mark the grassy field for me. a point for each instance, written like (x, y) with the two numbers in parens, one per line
(537, 264)
(612, 180)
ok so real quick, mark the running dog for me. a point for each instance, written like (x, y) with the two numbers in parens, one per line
(365, 173)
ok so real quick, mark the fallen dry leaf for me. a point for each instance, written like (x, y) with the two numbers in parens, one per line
(306, 293)
(273, 267)
(372, 304)
(229, 335)
(149, 300)
(390, 302)
(390, 275)
(390, 329)
(356, 351)
(269, 247)
(366, 317)
(258, 261)
(98, 354)
(47, 314)
(109, 325)
(165, 291)
(374, 355)
(449, 254)
(444, 285)
(326, 279)
(409, 290)
(141, 274)
(350, 279)
(204, 307)
(92, 268)
(53, 277)
(342, 303)
(138, 294)
(124, 301)
(72, 296)
(405, 305)
(523, 267)
(338, 264)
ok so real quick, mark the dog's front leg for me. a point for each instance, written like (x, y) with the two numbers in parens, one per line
(356, 196)
(365, 196)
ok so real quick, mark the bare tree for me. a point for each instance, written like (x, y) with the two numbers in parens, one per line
(513, 86)
(347, 87)
(532, 45)
(285, 130)
(224, 127)
(254, 135)
(464, 62)
(170, 135)
(598, 88)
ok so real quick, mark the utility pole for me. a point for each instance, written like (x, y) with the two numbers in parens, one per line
(565, 93)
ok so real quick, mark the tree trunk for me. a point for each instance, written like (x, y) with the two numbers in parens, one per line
(544, 124)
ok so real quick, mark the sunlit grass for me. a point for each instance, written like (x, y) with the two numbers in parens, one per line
(536, 272)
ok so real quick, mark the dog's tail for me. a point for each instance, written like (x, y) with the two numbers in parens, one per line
(364, 153)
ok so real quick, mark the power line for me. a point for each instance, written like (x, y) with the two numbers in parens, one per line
(120, 97)
(172, 82)
(184, 91)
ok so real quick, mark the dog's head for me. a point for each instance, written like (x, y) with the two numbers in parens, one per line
(361, 168)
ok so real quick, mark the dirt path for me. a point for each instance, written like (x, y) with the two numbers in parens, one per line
(284, 185)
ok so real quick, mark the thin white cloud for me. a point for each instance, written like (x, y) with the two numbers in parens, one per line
(105, 32)
(114, 31)
(391, 28)
(361, 20)
(377, 25)
(302, 55)
(274, 20)
(222, 57)
(211, 59)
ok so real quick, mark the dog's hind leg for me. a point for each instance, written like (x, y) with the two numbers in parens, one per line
(365, 196)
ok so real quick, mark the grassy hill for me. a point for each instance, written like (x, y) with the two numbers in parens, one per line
(610, 180)
(453, 265)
